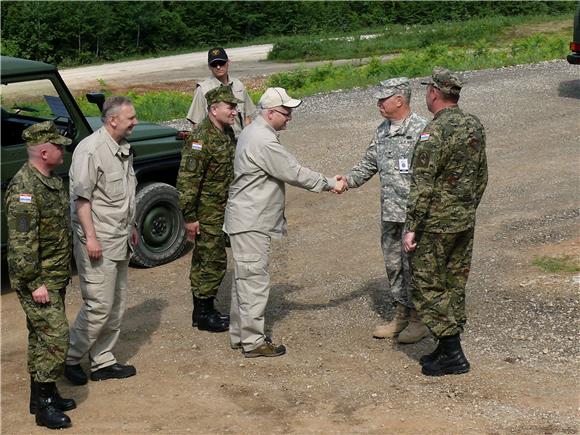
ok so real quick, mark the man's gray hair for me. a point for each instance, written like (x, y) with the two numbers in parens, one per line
(113, 105)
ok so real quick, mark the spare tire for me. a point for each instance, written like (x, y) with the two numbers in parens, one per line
(161, 227)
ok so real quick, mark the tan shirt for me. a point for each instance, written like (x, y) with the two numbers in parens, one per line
(102, 172)
(198, 110)
(262, 167)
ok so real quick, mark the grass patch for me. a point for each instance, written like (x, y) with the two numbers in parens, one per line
(396, 38)
(563, 263)
(417, 63)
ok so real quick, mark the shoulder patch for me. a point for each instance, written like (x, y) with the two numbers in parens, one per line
(22, 223)
(196, 146)
(424, 136)
(25, 197)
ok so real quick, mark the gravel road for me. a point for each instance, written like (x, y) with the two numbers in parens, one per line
(329, 292)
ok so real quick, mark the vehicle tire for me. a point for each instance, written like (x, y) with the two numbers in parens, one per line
(161, 227)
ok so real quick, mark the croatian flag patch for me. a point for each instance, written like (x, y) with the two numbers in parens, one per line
(196, 146)
(25, 197)
(424, 136)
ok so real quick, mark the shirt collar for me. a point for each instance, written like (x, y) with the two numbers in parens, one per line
(122, 148)
(261, 121)
(53, 182)
(217, 83)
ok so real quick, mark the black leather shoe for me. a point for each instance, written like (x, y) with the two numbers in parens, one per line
(115, 371)
(450, 361)
(212, 322)
(60, 403)
(75, 374)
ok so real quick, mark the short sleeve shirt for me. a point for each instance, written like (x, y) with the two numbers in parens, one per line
(102, 172)
(198, 110)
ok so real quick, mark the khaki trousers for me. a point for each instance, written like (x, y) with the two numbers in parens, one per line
(250, 288)
(97, 327)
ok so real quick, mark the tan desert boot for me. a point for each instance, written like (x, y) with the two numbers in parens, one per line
(415, 330)
(396, 325)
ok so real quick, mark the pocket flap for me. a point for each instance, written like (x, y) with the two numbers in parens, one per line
(250, 258)
(93, 279)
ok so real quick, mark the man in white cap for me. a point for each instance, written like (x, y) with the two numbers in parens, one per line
(389, 154)
(255, 214)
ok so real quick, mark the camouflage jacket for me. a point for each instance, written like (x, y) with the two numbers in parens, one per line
(39, 231)
(449, 174)
(382, 156)
(205, 174)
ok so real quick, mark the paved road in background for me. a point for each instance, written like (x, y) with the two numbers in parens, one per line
(246, 62)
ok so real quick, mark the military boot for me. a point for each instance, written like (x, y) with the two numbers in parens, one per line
(449, 361)
(59, 402)
(430, 357)
(415, 330)
(47, 414)
(207, 318)
(399, 322)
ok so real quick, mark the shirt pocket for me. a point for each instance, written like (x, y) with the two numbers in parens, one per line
(115, 185)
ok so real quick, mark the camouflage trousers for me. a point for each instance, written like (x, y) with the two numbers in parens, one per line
(208, 262)
(396, 262)
(440, 268)
(47, 335)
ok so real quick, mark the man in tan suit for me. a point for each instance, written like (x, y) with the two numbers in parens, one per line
(255, 215)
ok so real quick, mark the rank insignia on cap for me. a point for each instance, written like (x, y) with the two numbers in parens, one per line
(215, 52)
(25, 197)
(424, 136)
(196, 146)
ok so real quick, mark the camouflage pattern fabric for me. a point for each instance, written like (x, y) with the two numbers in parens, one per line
(39, 252)
(208, 262)
(48, 335)
(205, 174)
(440, 268)
(39, 234)
(382, 156)
(449, 174)
(396, 263)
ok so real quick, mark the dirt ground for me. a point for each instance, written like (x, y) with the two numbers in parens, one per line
(329, 292)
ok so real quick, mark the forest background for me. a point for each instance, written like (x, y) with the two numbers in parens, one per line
(73, 33)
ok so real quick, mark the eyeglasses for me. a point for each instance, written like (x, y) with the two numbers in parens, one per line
(286, 115)
(217, 63)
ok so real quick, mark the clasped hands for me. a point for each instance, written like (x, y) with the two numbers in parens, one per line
(341, 184)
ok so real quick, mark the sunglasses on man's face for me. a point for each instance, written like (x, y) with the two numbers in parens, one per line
(217, 63)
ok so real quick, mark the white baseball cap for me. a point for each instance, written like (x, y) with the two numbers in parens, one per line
(274, 97)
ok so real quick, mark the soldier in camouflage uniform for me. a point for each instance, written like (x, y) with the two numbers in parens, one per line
(39, 255)
(390, 153)
(448, 181)
(205, 174)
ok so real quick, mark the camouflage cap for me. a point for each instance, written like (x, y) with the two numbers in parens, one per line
(445, 80)
(390, 87)
(44, 132)
(221, 93)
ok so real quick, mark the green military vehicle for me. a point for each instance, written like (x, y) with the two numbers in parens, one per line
(34, 92)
